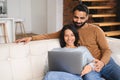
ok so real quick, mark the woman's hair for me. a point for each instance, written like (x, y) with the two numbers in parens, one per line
(73, 29)
(81, 7)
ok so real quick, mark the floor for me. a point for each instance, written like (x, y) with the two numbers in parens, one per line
(18, 36)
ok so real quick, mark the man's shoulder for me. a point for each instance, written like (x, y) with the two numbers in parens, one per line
(93, 26)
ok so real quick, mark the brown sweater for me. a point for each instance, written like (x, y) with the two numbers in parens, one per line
(92, 37)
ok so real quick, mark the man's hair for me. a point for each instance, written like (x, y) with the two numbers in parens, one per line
(62, 33)
(81, 7)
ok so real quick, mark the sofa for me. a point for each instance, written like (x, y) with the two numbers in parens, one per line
(19, 61)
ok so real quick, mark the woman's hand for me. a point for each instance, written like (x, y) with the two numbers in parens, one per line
(86, 70)
(26, 40)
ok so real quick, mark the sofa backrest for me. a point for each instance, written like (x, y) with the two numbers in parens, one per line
(29, 62)
(25, 62)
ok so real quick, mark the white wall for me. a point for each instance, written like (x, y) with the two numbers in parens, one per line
(59, 16)
(40, 16)
(54, 15)
(47, 16)
(20, 9)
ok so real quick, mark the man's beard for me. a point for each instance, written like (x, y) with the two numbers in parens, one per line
(79, 25)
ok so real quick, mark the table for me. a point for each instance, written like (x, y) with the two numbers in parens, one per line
(10, 29)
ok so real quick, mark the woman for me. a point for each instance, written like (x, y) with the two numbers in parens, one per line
(69, 42)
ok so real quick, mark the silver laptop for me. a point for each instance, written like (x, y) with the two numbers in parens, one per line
(71, 62)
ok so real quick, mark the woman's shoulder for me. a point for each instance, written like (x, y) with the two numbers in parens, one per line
(62, 49)
(57, 49)
(82, 47)
(78, 49)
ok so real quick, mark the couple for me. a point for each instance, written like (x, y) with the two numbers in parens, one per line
(92, 37)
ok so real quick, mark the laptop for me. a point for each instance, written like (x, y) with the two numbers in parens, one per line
(71, 62)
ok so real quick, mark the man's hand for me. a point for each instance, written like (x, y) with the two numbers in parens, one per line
(98, 65)
(26, 40)
(86, 70)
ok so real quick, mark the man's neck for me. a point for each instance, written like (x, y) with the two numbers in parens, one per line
(85, 25)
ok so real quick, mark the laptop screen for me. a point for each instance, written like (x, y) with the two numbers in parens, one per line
(68, 61)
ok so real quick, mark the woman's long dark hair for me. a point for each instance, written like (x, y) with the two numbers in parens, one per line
(73, 29)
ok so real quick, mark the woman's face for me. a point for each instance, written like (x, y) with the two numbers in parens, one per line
(69, 38)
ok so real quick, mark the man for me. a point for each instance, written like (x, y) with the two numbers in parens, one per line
(94, 39)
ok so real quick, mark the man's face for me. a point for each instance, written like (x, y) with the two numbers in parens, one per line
(79, 18)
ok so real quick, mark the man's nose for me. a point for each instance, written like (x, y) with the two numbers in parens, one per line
(79, 20)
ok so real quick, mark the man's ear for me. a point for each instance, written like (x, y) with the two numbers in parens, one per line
(87, 17)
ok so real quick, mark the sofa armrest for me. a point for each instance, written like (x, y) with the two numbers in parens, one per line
(114, 45)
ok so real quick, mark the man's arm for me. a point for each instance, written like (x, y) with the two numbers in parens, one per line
(103, 45)
(39, 37)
